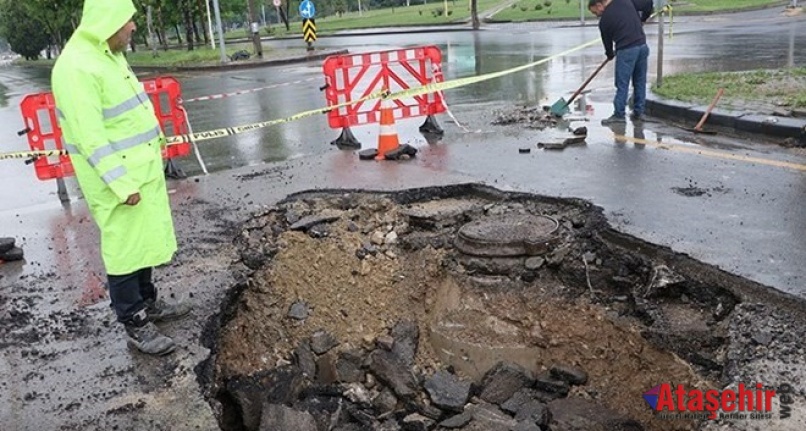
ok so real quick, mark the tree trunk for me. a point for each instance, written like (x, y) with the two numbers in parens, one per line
(150, 23)
(255, 35)
(178, 34)
(203, 20)
(188, 15)
(161, 30)
(196, 31)
(474, 12)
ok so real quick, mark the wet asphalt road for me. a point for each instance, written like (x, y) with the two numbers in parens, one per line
(625, 183)
(749, 220)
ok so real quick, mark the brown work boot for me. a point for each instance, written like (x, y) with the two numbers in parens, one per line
(161, 311)
(145, 336)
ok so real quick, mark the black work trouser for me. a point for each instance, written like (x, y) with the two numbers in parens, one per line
(130, 292)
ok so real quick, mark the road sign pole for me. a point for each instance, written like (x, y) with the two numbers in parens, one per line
(309, 32)
(277, 4)
(307, 10)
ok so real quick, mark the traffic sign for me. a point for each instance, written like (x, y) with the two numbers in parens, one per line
(309, 30)
(277, 3)
(306, 9)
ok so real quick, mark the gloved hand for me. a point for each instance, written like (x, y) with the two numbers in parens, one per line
(610, 55)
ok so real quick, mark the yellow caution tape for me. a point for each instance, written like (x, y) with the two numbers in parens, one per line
(412, 92)
(32, 154)
(230, 131)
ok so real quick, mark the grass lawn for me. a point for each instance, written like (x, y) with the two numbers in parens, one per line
(531, 10)
(182, 57)
(414, 15)
(715, 5)
(786, 87)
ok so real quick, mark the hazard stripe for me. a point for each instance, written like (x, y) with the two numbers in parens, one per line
(388, 130)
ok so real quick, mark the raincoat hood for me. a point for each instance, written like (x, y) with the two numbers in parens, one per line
(101, 19)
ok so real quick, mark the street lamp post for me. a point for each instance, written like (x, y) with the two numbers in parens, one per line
(661, 4)
(209, 24)
(220, 27)
(582, 13)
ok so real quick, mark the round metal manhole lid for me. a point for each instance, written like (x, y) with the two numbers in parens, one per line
(508, 235)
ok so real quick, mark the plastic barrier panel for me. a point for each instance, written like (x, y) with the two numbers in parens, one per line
(44, 133)
(354, 76)
(42, 128)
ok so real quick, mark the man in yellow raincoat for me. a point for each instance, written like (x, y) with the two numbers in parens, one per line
(114, 141)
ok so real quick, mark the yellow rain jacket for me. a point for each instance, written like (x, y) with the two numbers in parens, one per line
(114, 141)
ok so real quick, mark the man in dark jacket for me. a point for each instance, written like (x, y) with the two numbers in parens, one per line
(621, 24)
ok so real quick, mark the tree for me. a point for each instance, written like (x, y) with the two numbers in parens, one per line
(58, 18)
(25, 36)
(340, 7)
(187, 15)
(474, 13)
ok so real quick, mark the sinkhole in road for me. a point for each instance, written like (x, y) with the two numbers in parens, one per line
(459, 307)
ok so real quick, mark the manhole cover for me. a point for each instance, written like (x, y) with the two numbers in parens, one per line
(508, 235)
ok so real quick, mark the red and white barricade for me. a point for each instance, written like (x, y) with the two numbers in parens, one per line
(355, 76)
(44, 133)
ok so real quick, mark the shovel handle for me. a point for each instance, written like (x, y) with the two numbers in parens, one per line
(707, 112)
(587, 81)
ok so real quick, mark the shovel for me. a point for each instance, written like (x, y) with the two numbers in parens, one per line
(560, 107)
(698, 127)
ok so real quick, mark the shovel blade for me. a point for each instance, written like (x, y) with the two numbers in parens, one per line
(559, 108)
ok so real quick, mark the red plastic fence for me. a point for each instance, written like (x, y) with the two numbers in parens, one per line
(352, 77)
(44, 133)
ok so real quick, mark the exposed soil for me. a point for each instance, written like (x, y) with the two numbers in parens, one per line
(358, 303)
(354, 265)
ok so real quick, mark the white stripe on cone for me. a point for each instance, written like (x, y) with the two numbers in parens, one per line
(387, 130)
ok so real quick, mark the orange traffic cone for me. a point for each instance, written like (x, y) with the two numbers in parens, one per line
(387, 139)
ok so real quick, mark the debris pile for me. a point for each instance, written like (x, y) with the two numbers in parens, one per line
(535, 117)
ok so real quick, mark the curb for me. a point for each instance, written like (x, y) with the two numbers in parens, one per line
(241, 65)
(751, 122)
(370, 31)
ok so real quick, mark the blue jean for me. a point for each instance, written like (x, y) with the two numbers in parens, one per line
(631, 64)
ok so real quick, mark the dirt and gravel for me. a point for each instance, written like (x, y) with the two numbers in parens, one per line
(336, 275)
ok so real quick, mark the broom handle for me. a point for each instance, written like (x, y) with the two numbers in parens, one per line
(588, 81)
(710, 108)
